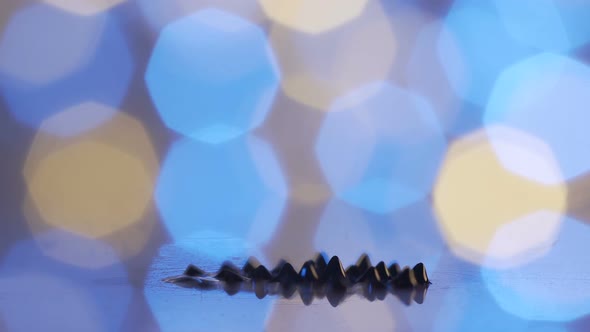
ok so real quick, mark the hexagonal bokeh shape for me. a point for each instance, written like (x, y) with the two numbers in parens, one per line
(319, 68)
(235, 188)
(47, 62)
(212, 76)
(548, 25)
(104, 177)
(380, 147)
(576, 20)
(51, 60)
(87, 7)
(31, 281)
(312, 16)
(521, 292)
(90, 187)
(479, 33)
(483, 207)
(536, 23)
(527, 96)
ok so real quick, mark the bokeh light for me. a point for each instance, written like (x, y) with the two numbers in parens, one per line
(190, 310)
(76, 250)
(542, 289)
(212, 76)
(92, 184)
(408, 236)
(490, 215)
(344, 231)
(425, 74)
(87, 7)
(313, 16)
(42, 294)
(236, 188)
(75, 312)
(318, 68)
(380, 147)
(160, 13)
(535, 23)
(51, 60)
(575, 19)
(283, 130)
(77, 119)
(547, 95)
(107, 195)
(549, 25)
(41, 32)
(479, 34)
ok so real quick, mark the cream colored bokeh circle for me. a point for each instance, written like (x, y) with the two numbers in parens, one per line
(86, 7)
(318, 68)
(482, 206)
(312, 16)
(94, 183)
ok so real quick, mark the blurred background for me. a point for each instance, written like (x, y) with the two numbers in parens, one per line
(138, 136)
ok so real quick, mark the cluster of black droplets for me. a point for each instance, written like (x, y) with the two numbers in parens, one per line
(315, 278)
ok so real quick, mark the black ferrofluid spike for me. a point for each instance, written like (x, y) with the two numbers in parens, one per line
(405, 279)
(229, 273)
(383, 272)
(363, 263)
(394, 269)
(260, 273)
(373, 278)
(251, 264)
(308, 273)
(260, 277)
(320, 263)
(358, 269)
(334, 274)
(193, 271)
(274, 272)
(286, 276)
(316, 278)
(420, 274)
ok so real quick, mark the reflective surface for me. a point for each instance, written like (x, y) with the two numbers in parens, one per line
(139, 136)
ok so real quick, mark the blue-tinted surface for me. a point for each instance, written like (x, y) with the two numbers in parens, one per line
(64, 59)
(40, 293)
(551, 288)
(193, 310)
(221, 188)
(212, 76)
(380, 147)
(471, 308)
(547, 95)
